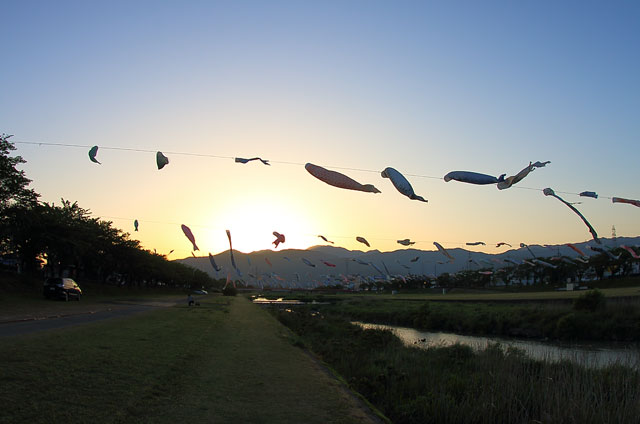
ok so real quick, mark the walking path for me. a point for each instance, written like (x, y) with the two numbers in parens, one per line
(274, 380)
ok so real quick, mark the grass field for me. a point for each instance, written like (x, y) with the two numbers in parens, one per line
(612, 288)
(497, 296)
(225, 361)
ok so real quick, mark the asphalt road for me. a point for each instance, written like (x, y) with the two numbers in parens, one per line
(8, 329)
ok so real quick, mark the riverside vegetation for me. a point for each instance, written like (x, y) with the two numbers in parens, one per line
(588, 317)
(455, 384)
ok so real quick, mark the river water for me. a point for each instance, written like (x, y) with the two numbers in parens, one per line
(594, 355)
(279, 301)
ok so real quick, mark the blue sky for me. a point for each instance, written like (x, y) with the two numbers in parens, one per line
(424, 87)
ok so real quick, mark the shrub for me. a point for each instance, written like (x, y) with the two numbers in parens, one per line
(567, 327)
(229, 291)
(421, 319)
(590, 301)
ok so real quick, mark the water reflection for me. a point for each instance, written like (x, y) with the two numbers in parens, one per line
(278, 301)
(594, 355)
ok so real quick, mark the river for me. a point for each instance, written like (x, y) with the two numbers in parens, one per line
(594, 355)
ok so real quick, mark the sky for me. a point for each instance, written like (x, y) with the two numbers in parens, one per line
(425, 87)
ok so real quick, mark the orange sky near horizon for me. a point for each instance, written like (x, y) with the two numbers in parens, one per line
(254, 200)
(426, 88)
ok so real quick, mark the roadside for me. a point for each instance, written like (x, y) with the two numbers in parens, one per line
(27, 326)
(20, 309)
(21, 299)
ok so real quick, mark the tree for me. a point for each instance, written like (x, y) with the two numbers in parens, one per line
(13, 191)
(68, 239)
(504, 275)
(444, 280)
(599, 262)
(13, 183)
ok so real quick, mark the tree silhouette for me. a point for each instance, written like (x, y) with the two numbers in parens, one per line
(13, 183)
(65, 238)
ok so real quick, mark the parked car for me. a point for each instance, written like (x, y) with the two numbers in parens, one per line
(61, 288)
(200, 292)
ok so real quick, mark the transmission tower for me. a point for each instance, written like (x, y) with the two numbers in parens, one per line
(613, 235)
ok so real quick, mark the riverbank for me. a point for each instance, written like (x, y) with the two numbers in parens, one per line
(616, 319)
(455, 384)
(224, 361)
(588, 354)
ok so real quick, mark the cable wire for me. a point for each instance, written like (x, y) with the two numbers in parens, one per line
(342, 168)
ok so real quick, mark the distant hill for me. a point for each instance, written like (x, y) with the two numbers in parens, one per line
(287, 263)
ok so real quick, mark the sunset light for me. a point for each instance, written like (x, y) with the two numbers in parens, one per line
(356, 100)
(320, 211)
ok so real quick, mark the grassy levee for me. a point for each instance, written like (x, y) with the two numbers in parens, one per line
(224, 361)
(455, 385)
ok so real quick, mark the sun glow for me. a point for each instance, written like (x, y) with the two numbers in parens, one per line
(252, 222)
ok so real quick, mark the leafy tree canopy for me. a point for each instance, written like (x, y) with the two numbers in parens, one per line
(13, 183)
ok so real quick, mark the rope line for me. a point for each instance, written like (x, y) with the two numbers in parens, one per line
(342, 168)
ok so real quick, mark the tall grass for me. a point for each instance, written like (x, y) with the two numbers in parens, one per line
(453, 384)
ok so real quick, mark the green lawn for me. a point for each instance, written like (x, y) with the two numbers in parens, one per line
(225, 361)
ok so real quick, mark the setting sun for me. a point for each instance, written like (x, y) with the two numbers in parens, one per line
(253, 220)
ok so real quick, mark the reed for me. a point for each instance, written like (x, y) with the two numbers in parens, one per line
(455, 384)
